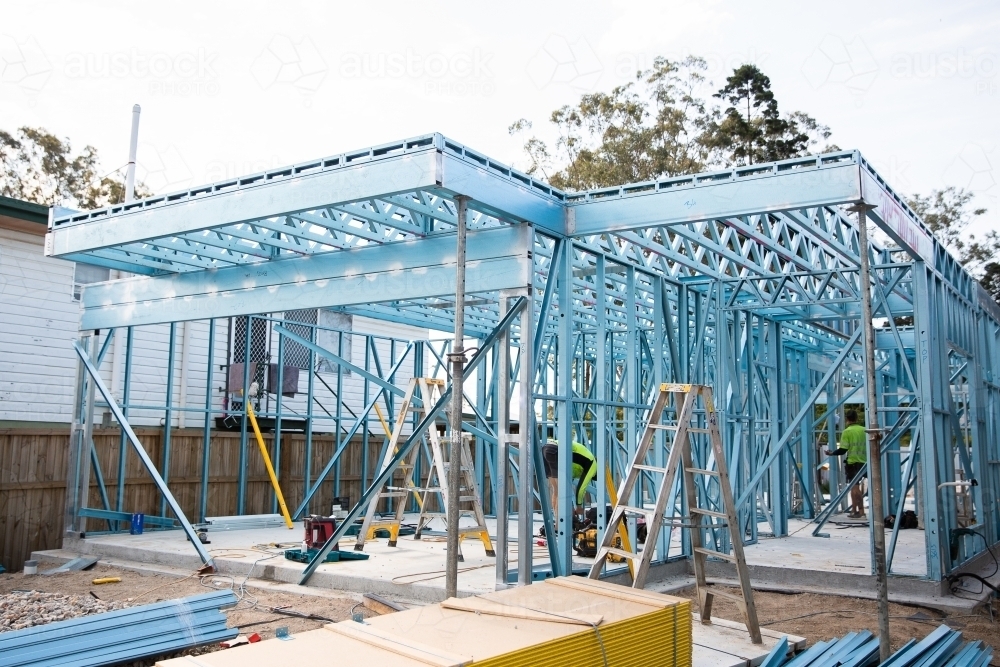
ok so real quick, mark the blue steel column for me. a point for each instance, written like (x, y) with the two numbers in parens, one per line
(600, 394)
(365, 431)
(500, 481)
(683, 374)
(526, 438)
(632, 381)
(307, 455)
(930, 365)
(77, 463)
(168, 413)
(779, 482)
(241, 474)
(340, 411)
(206, 438)
(564, 412)
(659, 446)
(123, 439)
(277, 416)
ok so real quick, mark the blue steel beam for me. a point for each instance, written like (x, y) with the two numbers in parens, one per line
(781, 186)
(240, 201)
(497, 259)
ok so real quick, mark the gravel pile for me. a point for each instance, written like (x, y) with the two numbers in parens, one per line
(26, 609)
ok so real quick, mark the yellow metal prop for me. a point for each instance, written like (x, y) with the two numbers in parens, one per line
(270, 468)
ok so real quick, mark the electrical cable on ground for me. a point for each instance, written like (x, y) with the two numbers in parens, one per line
(934, 621)
(169, 583)
(437, 574)
(952, 578)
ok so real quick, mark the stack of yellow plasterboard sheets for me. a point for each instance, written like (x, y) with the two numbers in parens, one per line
(545, 624)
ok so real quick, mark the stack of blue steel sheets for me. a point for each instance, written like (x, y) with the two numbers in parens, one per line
(941, 648)
(123, 635)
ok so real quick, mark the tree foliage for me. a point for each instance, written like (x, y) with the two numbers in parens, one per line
(38, 166)
(752, 129)
(949, 212)
(661, 124)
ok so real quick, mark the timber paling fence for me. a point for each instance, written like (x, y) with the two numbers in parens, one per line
(33, 466)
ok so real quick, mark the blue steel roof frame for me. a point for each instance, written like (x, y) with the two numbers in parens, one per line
(771, 246)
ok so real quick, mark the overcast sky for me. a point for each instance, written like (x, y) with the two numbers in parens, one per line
(231, 88)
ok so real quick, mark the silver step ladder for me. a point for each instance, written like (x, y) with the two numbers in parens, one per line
(426, 392)
(687, 400)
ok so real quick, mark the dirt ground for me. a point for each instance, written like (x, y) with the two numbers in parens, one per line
(824, 617)
(815, 617)
(252, 614)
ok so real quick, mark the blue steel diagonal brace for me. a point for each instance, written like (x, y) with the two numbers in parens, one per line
(346, 441)
(372, 491)
(143, 456)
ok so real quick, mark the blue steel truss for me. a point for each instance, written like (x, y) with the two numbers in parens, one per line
(746, 279)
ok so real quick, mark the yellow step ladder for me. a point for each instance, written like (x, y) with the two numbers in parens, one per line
(685, 399)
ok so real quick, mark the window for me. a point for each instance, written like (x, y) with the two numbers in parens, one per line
(331, 340)
(86, 274)
(296, 355)
(258, 340)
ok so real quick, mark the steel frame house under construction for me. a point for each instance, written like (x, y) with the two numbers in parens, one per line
(582, 303)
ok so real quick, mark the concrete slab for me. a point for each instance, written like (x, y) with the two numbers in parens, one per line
(414, 570)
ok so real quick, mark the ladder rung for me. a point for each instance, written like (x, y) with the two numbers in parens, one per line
(650, 468)
(717, 515)
(699, 471)
(467, 499)
(717, 554)
(663, 427)
(636, 510)
(725, 594)
(621, 552)
(393, 494)
(692, 429)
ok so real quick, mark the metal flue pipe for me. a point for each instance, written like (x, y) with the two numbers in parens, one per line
(132, 147)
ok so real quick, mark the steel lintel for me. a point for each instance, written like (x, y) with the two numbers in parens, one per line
(497, 259)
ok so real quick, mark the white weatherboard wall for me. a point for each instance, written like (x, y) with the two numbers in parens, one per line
(38, 323)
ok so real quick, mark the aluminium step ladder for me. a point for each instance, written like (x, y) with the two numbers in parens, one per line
(426, 391)
(685, 399)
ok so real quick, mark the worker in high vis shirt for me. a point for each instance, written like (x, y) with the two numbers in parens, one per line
(854, 443)
(584, 471)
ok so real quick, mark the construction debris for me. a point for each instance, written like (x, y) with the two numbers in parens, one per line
(81, 563)
(381, 605)
(121, 636)
(26, 609)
